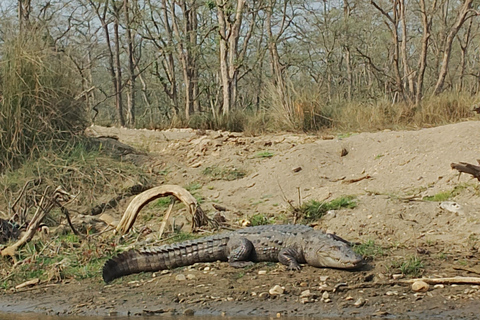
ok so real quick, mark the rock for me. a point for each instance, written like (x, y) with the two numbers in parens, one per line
(276, 290)
(297, 169)
(188, 312)
(263, 295)
(439, 286)
(191, 276)
(323, 278)
(260, 272)
(452, 207)
(360, 302)
(304, 300)
(397, 276)
(180, 277)
(325, 296)
(420, 286)
(306, 294)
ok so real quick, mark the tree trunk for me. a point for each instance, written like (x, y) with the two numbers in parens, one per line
(393, 26)
(407, 73)
(461, 18)
(131, 66)
(228, 50)
(118, 68)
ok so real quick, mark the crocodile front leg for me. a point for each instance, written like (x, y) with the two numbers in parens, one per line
(290, 257)
(240, 251)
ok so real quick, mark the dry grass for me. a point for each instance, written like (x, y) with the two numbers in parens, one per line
(38, 106)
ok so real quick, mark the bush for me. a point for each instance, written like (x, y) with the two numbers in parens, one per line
(37, 106)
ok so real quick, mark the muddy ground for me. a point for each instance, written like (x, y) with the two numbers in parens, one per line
(394, 175)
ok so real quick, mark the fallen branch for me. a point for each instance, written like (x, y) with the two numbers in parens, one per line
(199, 218)
(468, 168)
(454, 280)
(43, 209)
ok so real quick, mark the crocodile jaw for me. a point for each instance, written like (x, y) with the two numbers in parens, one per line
(332, 254)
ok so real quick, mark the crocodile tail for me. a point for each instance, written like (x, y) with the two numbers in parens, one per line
(166, 257)
(126, 263)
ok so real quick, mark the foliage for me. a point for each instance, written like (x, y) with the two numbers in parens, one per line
(369, 249)
(412, 266)
(264, 154)
(82, 169)
(260, 219)
(63, 257)
(441, 196)
(314, 210)
(224, 173)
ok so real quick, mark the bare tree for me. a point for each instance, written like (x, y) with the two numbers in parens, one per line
(462, 16)
(229, 17)
(114, 64)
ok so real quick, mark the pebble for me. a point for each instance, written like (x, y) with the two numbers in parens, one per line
(260, 272)
(323, 278)
(263, 295)
(439, 286)
(325, 296)
(276, 290)
(191, 276)
(420, 286)
(180, 277)
(304, 300)
(397, 276)
(360, 302)
(188, 312)
(305, 294)
(392, 293)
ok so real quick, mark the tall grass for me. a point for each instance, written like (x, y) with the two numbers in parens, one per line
(38, 109)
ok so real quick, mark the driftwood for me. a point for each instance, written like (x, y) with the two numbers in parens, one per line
(472, 169)
(199, 218)
(46, 204)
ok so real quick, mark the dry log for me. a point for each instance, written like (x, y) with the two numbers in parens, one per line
(133, 209)
(472, 169)
(454, 280)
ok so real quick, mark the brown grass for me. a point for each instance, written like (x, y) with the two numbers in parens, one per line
(38, 106)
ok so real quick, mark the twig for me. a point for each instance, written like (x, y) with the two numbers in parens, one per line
(165, 218)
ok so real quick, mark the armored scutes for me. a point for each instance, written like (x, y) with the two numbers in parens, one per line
(288, 244)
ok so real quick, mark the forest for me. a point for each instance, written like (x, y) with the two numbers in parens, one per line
(238, 65)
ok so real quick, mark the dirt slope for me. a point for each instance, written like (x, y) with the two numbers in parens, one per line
(389, 173)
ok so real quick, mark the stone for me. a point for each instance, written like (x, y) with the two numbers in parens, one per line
(180, 277)
(360, 302)
(420, 286)
(276, 290)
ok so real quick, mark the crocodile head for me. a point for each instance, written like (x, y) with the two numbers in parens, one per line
(331, 251)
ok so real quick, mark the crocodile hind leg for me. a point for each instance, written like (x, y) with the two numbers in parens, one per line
(240, 251)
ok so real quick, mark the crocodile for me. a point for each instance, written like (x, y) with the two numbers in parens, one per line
(290, 245)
